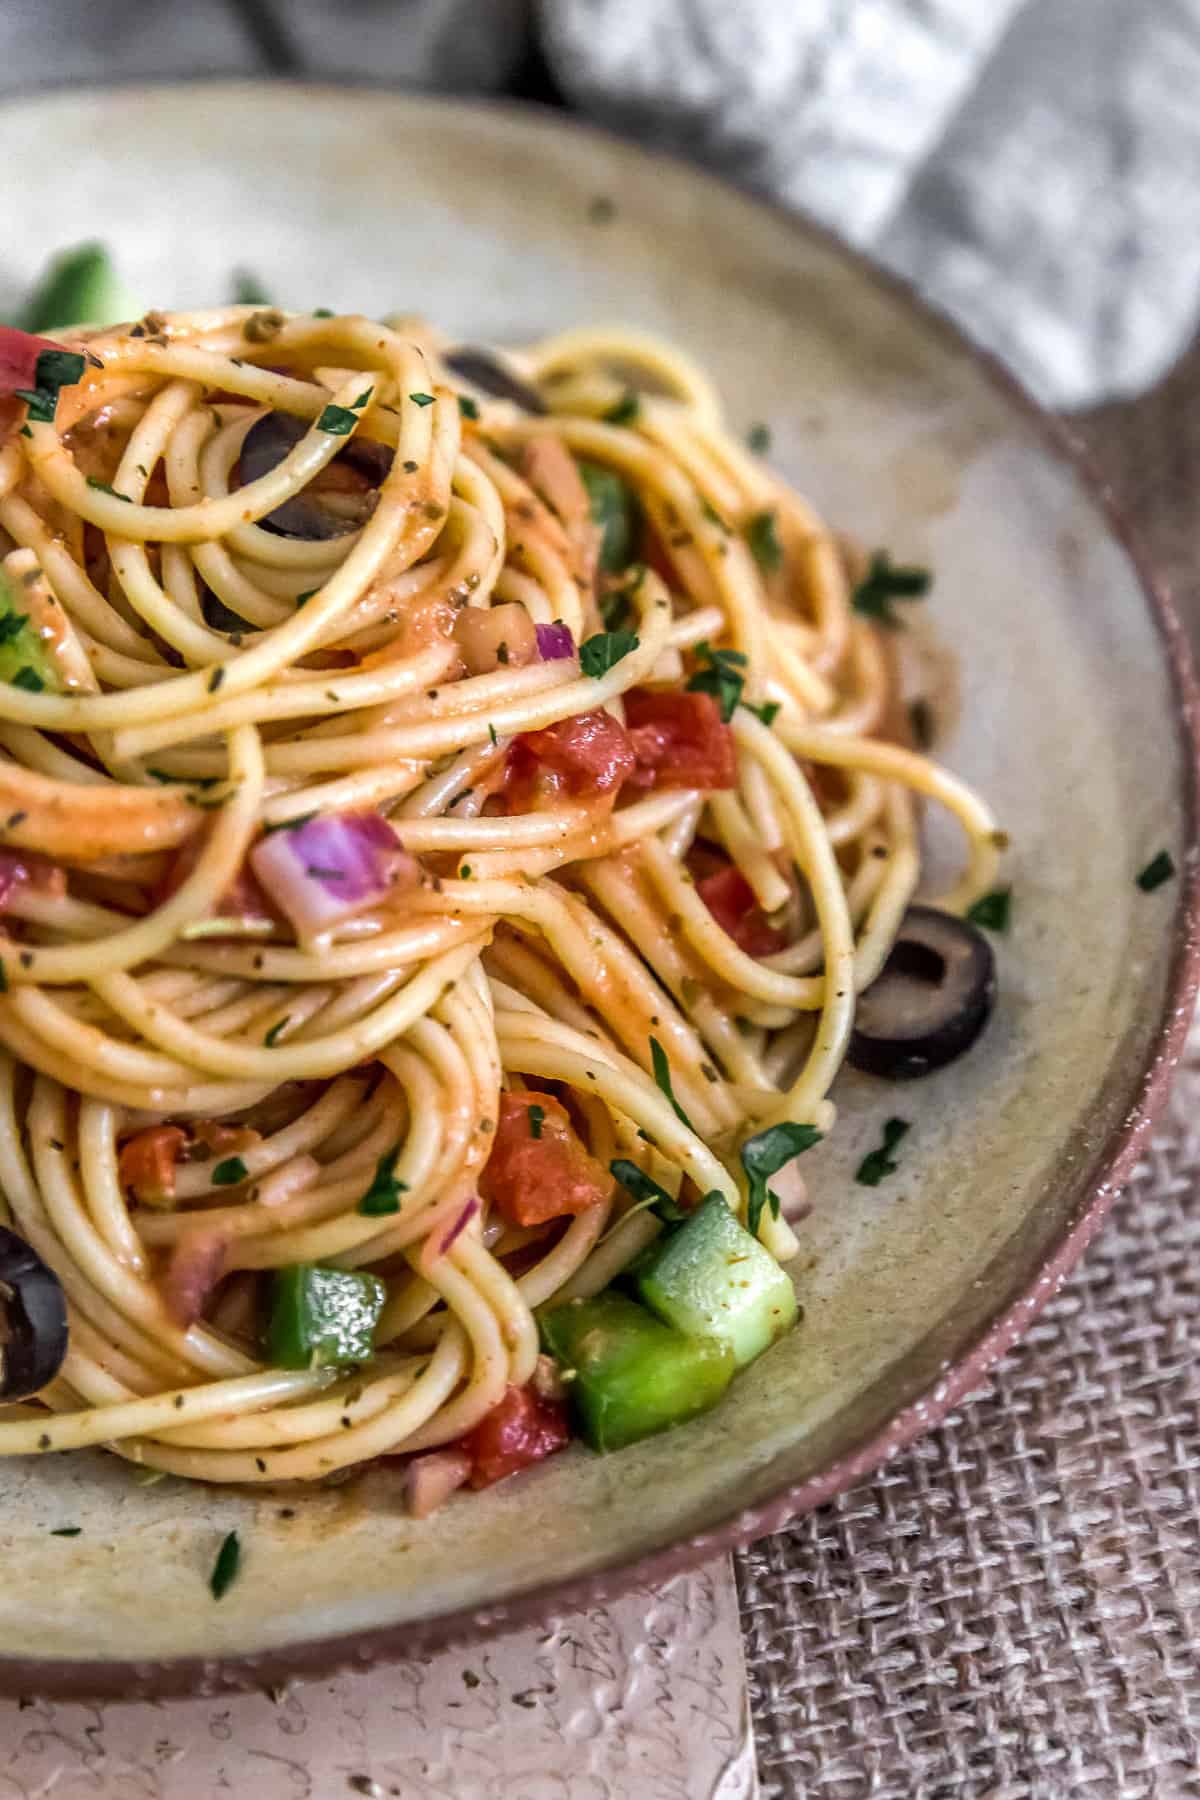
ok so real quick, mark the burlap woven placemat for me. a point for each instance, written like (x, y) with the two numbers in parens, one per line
(1011, 1609)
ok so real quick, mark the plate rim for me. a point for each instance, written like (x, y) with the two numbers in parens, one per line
(196, 1676)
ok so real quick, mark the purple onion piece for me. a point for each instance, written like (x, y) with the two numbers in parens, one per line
(555, 641)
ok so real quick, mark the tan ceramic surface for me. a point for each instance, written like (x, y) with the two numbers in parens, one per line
(480, 218)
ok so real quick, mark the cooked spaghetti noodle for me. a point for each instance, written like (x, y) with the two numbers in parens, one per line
(636, 824)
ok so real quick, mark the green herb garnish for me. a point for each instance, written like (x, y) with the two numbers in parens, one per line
(29, 679)
(625, 411)
(721, 677)
(767, 712)
(763, 538)
(646, 1191)
(886, 581)
(763, 1156)
(338, 421)
(11, 625)
(105, 487)
(383, 1195)
(536, 1116)
(421, 399)
(467, 407)
(272, 1037)
(54, 369)
(878, 1163)
(662, 1080)
(992, 910)
(229, 1172)
(598, 654)
(248, 290)
(758, 439)
(1160, 868)
(67, 1531)
(225, 1569)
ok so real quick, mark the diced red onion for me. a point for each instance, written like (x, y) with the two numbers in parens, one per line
(430, 1480)
(195, 1270)
(555, 641)
(459, 1226)
(322, 871)
(21, 868)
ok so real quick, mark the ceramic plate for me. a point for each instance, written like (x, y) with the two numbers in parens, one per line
(1072, 721)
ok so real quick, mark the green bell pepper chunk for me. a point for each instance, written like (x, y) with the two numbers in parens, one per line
(80, 287)
(24, 657)
(710, 1278)
(322, 1318)
(615, 511)
(628, 1375)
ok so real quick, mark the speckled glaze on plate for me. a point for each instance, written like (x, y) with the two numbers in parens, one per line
(1076, 719)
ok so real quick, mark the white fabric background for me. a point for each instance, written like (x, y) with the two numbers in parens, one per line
(1032, 165)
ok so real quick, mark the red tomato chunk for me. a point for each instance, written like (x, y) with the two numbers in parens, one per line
(679, 741)
(520, 1431)
(530, 1179)
(146, 1164)
(583, 756)
(730, 899)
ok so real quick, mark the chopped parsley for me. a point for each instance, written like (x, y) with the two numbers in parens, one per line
(536, 1116)
(229, 1172)
(67, 1531)
(306, 595)
(767, 712)
(383, 1195)
(290, 824)
(646, 1191)
(467, 407)
(878, 1163)
(273, 1036)
(322, 312)
(29, 679)
(225, 1569)
(721, 677)
(1160, 868)
(599, 654)
(662, 1080)
(215, 679)
(105, 487)
(625, 412)
(248, 290)
(421, 399)
(886, 581)
(338, 421)
(758, 439)
(763, 1156)
(11, 625)
(492, 733)
(992, 910)
(55, 369)
(763, 539)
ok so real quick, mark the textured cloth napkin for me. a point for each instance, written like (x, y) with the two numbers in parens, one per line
(1032, 165)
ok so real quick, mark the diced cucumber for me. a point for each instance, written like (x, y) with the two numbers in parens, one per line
(25, 655)
(628, 1375)
(710, 1278)
(615, 511)
(80, 287)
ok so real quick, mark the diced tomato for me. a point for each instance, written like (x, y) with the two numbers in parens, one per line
(521, 1430)
(19, 352)
(730, 899)
(531, 1179)
(146, 1164)
(242, 899)
(583, 756)
(25, 868)
(679, 740)
(193, 1274)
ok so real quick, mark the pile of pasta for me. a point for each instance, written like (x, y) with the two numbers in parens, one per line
(397, 751)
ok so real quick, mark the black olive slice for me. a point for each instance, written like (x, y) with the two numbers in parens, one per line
(309, 514)
(929, 1002)
(485, 371)
(33, 1320)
